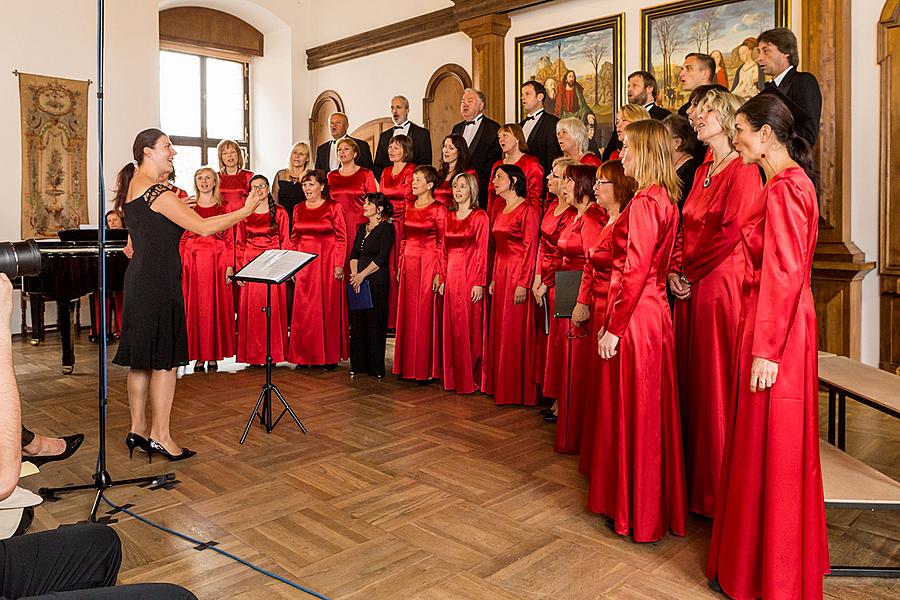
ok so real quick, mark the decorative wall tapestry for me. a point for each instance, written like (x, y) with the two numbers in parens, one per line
(724, 29)
(54, 154)
(582, 67)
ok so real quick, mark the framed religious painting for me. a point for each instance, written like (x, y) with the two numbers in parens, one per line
(582, 66)
(726, 30)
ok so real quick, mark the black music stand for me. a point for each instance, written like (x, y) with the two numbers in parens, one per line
(272, 267)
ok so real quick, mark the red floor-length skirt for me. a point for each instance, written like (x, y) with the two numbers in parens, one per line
(398, 189)
(208, 299)
(769, 535)
(464, 321)
(417, 348)
(254, 237)
(319, 321)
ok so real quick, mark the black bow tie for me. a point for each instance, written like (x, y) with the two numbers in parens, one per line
(531, 118)
(401, 126)
(471, 123)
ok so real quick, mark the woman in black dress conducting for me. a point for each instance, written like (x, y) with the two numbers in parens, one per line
(370, 261)
(154, 336)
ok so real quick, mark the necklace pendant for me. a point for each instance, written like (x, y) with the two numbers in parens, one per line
(707, 182)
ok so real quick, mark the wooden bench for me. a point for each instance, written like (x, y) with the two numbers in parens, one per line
(852, 484)
(846, 378)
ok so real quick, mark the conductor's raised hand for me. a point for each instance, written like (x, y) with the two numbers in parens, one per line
(253, 200)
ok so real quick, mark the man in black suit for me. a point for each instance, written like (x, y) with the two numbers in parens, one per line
(421, 138)
(480, 134)
(698, 69)
(539, 126)
(778, 57)
(326, 154)
(642, 90)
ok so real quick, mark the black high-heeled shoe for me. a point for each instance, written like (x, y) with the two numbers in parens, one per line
(199, 367)
(212, 366)
(73, 442)
(158, 449)
(133, 440)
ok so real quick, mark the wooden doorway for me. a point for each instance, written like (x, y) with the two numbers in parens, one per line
(889, 202)
(326, 103)
(369, 132)
(440, 106)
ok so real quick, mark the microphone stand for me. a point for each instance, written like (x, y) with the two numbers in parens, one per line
(102, 479)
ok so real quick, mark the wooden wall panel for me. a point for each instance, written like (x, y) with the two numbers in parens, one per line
(207, 28)
(440, 106)
(326, 103)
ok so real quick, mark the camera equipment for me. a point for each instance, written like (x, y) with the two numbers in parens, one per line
(20, 259)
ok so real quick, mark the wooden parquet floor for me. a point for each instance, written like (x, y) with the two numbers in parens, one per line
(400, 491)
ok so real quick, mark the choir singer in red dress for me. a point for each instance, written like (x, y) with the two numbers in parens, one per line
(515, 152)
(266, 229)
(510, 345)
(465, 309)
(234, 179)
(348, 185)
(319, 328)
(207, 266)
(705, 278)
(396, 185)
(638, 472)
(423, 265)
(455, 159)
(575, 349)
(769, 536)
(613, 191)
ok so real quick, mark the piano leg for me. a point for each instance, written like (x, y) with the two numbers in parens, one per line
(37, 319)
(64, 322)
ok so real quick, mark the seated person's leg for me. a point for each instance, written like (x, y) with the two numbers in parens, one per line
(140, 591)
(73, 557)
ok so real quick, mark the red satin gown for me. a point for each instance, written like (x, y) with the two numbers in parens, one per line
(548, 360)
(348, 191)
(397, 189)
(255, 235)
(443, 192)
(592, 159)
(637, 472)
(598, 406)
(423, 254)
(769, 536)
(708, 253)
(511, 344)
(464, 321)
(234, 189)
(575, 379)
(208, 299)
(319, 328)
(534, 184)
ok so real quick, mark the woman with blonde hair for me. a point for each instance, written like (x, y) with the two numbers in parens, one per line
(515, 152)
(234, 179)
(637, 472)
(349, 184)
(286, 189)
(207, 264)
(465, 309)
(627, 113)
(571, 133)
(705, 278)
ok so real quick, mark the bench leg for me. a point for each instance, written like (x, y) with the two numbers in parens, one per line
(850, 571)
(842, 421)
(832, 400)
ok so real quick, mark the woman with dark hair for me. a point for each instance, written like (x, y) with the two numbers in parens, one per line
(637, 470)
(558, 216)
(465, 309)
(455, 159)
(349, 184)
(115, 298)
(510, 346)
(319, 335)
(396, 185)
(154, 337)
(234, 179)
(613, 191)
(423, 268)
(769, 535)
(515, 152)
(575, 347)
(370, 261)
(684, 147)
(266, 229)
(705, 278)
(207, 267)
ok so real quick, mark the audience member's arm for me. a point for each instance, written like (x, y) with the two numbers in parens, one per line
(10, 409)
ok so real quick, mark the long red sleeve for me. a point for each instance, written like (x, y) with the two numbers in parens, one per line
(336, 216)
(481, 224)
(440, 233)
(524, 274)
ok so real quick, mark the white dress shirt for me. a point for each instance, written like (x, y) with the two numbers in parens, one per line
(531, 122)
(333, 162)
(471, 129)
(402, 129)
(780, 77)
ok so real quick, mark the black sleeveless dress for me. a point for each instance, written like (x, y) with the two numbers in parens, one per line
(290, 194)
(154, 335)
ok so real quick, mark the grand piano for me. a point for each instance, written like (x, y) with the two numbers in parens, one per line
(69, 271)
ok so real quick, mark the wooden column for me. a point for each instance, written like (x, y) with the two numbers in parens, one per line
(488, 33)
(839, 266)
(889, 193)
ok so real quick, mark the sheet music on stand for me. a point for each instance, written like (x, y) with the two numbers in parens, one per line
(274, 266)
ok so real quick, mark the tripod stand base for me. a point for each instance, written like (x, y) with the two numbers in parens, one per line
(102, 482)
(265, 417)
